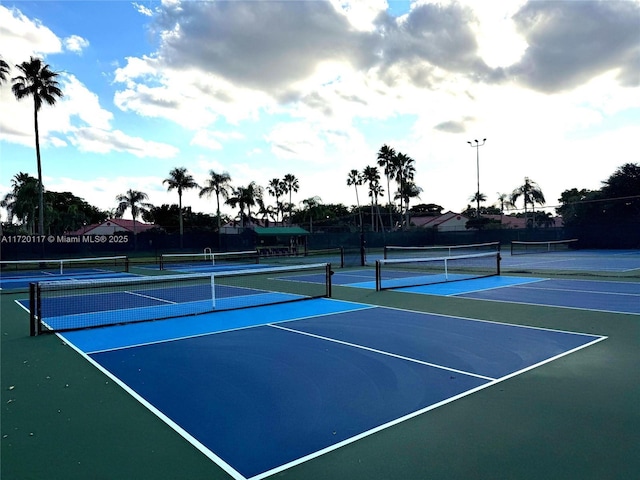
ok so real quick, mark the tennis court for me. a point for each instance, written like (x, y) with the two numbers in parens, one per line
(309, 381)
(433, 381)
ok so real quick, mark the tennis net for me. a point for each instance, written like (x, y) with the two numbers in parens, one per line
(73, 305)
(66, 266)
(522, 248)
(409, 272)
(391, 251)
(207, 260)
(334, 256)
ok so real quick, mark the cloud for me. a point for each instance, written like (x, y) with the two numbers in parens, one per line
(75, 43)
(22, 37)
(147, 12)
(88, 139)
(570, 43)
(268, 46)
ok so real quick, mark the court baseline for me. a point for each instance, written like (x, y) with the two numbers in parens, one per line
(259, 397)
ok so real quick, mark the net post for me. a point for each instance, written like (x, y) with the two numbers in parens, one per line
(61, 267)
(33, 328)
(378, 277)
(328, 273)
(213, 291)
(341, 257)
(498, 258)
(446, 271)
(126, 264)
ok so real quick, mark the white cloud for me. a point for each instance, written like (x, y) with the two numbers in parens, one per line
(89, 139)
(75, 43)
(147, 12)
(22, 37)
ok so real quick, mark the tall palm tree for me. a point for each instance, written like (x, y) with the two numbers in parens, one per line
(276, 188)
(179, 179)
(531, 193)
(386, 157)
(355, 179)
(38, 81)
(218, 183)
(136, 202)
(371, 175)
(404, 172)
(4, 71)
(376, 190)
(291, 185)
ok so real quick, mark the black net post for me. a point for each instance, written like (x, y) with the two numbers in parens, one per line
(34, 310)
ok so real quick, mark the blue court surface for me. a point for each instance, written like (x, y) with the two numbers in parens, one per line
(604, 296)
(260, 390)
(21, 280)
(620, 261)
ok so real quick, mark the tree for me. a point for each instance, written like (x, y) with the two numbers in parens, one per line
(429, 209)
(218, 183)
(404, 171)
(276, 188)
(134, 201)
(531, 193)
(622, 189)
(21, 201)
(617, 201)
(245, 197)
(478, 197)
(4, 71)
(38, 81)
(410, 190)
(386, 156)
(180, 180)
(66, 212)
(313, 208)
(371, 175)
(291, 185)
(355, 179)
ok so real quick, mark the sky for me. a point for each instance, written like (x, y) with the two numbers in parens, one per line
(261, 89)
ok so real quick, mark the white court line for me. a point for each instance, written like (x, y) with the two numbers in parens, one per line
(382, 352)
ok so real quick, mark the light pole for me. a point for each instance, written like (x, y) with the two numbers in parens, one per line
(475, 144)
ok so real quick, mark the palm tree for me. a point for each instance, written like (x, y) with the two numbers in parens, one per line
(245, 197)
(21, 201)
(386, 157)
(503, 200)
(38, 81)
(530, 192)
(136, 202)
(218, 183)
(290, 185)
(371, 175)
(409, 190)
(180, 180)
(404, 172)
(276, 188)
(478, 197)
(310, 205)
(4, 71)
(355, 179)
